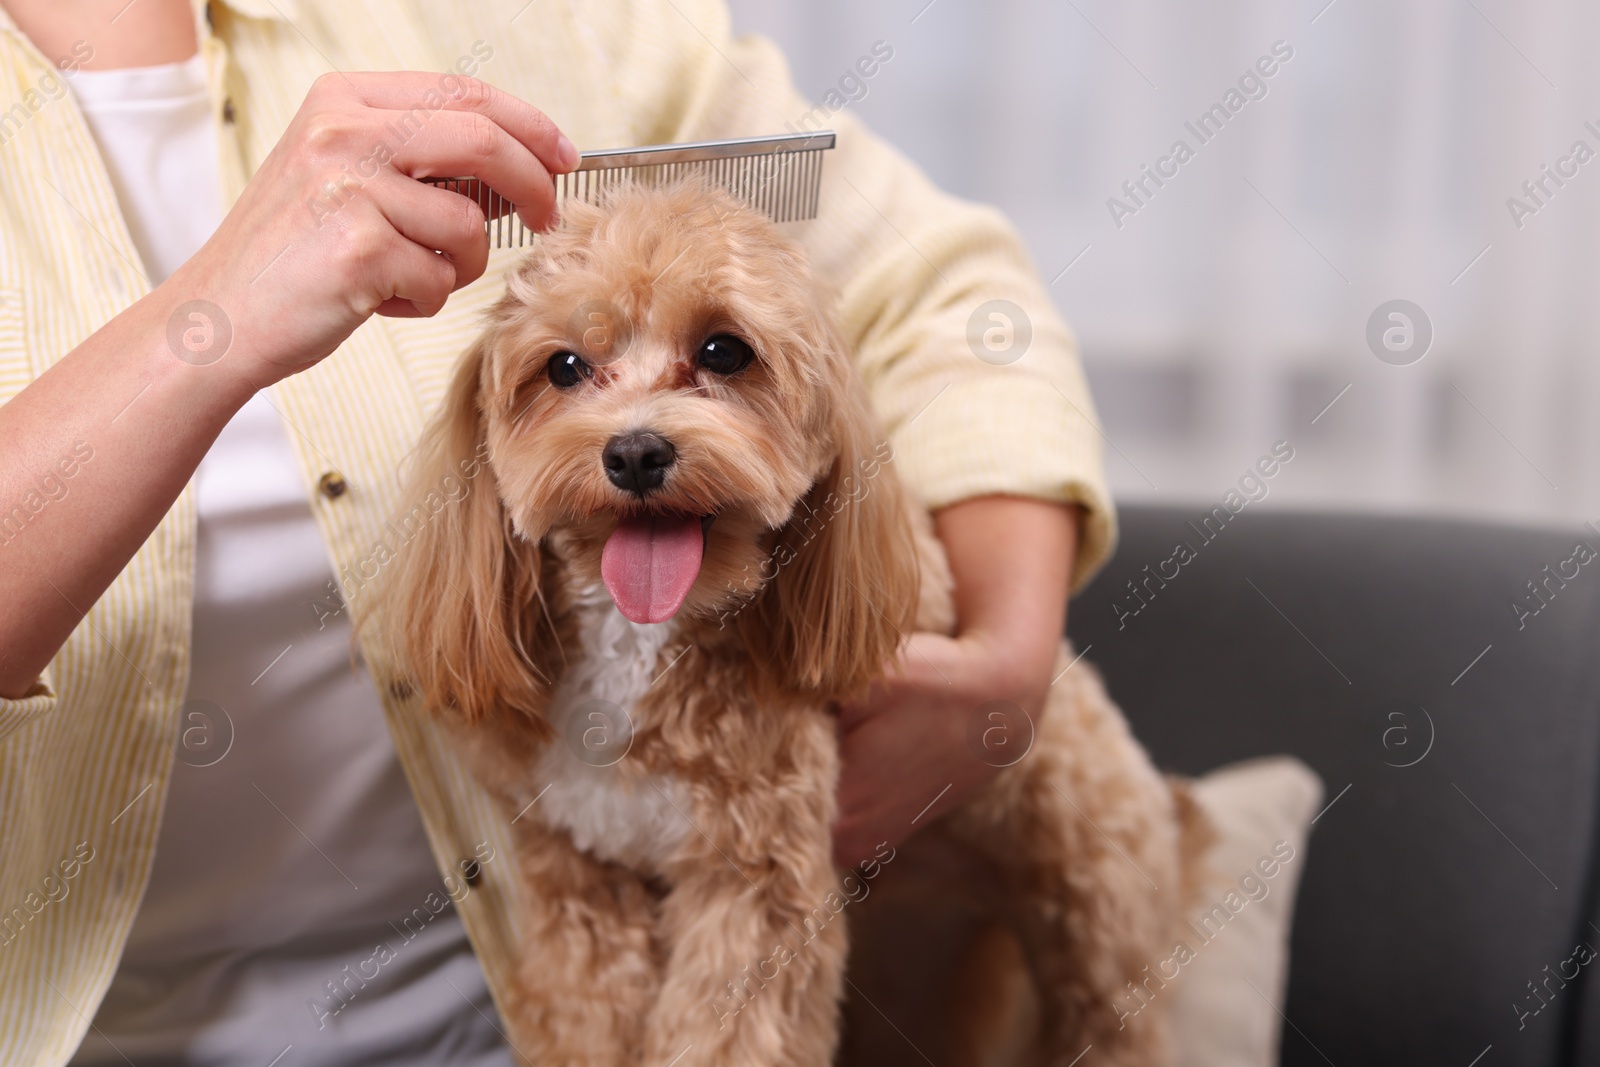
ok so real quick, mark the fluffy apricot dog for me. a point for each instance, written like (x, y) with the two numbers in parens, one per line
(688, 542)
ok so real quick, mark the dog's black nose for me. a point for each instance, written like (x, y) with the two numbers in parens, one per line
(638, 462)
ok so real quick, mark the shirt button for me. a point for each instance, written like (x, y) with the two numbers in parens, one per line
(227, 110)
(332, 485)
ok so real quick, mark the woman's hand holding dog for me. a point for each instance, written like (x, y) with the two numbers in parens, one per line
(908, 738)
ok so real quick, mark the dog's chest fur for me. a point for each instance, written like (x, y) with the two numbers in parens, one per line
(636, 820)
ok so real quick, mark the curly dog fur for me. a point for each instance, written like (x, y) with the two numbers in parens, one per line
(671, 784)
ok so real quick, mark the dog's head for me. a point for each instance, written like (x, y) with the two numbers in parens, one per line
(668, 409)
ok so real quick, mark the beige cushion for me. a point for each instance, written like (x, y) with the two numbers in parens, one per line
(1229, 987)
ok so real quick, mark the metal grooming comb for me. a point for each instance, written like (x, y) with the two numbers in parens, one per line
(781, 176)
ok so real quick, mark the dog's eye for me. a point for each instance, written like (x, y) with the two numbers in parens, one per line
(567, 369)
(724, 354)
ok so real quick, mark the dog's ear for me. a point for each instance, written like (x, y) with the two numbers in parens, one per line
(460, 606)
(844, 594)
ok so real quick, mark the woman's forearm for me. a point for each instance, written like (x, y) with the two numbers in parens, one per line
(92, 455)
(1012, 559)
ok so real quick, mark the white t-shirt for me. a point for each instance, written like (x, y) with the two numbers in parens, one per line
(290, 845)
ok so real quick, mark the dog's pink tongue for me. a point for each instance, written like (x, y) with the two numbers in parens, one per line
(649, 564)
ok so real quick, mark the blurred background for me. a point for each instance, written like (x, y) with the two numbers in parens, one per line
(1228, 308)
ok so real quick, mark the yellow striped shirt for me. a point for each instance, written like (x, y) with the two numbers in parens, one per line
(85, 759)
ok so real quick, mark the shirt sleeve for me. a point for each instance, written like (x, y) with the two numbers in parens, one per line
(971, 369)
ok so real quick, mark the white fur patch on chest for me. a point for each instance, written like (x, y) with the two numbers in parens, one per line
(634, 820)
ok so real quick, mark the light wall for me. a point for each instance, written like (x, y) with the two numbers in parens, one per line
(1227, 311)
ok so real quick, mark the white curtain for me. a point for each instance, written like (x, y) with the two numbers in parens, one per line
(1232, 306)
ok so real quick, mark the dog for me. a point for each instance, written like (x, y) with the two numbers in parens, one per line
(687, 543)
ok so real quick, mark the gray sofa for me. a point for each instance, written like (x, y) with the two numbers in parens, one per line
(1452, 877)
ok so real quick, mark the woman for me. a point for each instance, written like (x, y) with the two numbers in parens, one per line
(226, 308)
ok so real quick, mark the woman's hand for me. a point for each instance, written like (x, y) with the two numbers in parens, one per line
(904, 747)
(333, 227)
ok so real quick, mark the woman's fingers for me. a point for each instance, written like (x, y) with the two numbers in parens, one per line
(420, 94)
(466, 143)
(437, 220)
(410, 280)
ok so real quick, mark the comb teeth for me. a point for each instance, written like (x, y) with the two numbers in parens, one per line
(779, 176)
